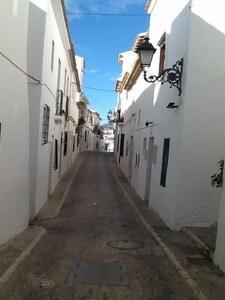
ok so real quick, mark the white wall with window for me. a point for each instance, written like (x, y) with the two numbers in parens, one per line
(58, 92)
(180, 166)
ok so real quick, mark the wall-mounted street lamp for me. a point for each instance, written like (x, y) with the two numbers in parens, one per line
(171, 75)
(109, 115)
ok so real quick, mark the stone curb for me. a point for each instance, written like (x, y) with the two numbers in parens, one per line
(171, 256)
(200, 244)
(22, 256)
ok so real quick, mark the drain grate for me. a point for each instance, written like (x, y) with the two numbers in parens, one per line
(105, 273)
(125, 245)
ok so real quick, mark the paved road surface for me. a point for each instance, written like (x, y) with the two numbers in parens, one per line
(96, 225)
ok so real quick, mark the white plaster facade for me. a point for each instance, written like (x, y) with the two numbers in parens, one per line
(14, 119)
(52, 60)
(107, 137)
(190, 30)
(38, 114)
(89, 131)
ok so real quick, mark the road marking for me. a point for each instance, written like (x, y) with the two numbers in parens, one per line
(183, 273)
(23, 255)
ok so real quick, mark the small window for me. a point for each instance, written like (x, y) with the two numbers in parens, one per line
(165, 159)
(162, 45)
(52, 55)
(55, 164)
(65, 143)
(45, 124)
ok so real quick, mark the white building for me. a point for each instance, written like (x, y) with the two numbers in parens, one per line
(107, 137)
(53, 102)
(169, 155)
(14, 119)
(88, 127)
(38, 132)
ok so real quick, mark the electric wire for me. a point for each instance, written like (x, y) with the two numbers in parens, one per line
(97, 89)
(106, 14)
(44, 84)
(15, 65)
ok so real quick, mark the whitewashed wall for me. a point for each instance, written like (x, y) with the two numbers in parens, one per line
(14, 112)
(51, 29)
(195, 129)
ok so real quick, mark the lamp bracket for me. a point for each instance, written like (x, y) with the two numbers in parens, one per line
(171, 75)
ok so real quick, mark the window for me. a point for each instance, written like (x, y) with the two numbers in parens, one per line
(85, 136)
(162, 45)
(165, 159)
(45, 124)
(52, 55)
(65, 143)
(55, 163)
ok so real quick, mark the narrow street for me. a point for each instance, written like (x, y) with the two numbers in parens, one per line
(97, 248)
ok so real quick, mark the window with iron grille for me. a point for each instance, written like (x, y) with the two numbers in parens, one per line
(65, 142)
(45, 124)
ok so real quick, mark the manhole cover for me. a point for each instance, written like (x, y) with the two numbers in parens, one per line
(125, 245)
(105, 273)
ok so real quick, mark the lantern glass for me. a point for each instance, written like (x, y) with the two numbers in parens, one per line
(146, 52)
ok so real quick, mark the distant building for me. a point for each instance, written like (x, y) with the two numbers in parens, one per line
(88, 127)
(107, 137)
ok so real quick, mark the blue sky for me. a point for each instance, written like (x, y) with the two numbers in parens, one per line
(100, 39)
